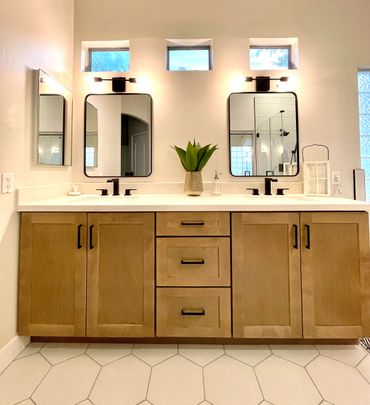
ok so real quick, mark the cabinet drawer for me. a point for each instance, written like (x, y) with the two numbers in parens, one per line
(193, 262)
(193, 223)
(190, 312)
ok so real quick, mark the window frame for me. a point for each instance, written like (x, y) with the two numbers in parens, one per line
(106, 49)
(289, 47)
(189, 48)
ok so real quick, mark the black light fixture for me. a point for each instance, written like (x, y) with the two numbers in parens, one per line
(263, 82)
(118, 83)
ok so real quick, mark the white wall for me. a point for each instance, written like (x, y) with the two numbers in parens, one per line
(333, 41)
(33, 34)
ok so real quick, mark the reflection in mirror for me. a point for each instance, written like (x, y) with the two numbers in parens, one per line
(53, 121)
(118, 132)
(263, 134)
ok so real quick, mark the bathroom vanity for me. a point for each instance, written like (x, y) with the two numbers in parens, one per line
(232, 266)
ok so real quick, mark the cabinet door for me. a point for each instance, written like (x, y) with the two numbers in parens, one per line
(120, 298)
(52, 275)
(266, 275)
(335, 274)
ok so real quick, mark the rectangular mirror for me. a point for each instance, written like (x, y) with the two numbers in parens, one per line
(263, 134)
(118, 135)
(53, 121)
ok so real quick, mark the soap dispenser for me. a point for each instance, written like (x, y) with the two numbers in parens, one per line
(216, 184)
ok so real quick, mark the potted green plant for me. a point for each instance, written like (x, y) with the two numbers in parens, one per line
(193, 159)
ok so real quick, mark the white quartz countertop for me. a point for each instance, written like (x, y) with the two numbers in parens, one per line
(180, 202)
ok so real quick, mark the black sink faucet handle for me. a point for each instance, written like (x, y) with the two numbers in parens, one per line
(104, 191)
(280, 191)
(115, 185)
(268, 181)
(128, 191)
(254, 191)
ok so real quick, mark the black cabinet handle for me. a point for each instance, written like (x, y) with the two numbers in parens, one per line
(192, 261)
(295, 227)
(193, 312)
(192, 223)
(308, 233)
(79, 246)
(91, 237)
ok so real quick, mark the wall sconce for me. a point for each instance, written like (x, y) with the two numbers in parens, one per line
(263, 82)
(118, 83)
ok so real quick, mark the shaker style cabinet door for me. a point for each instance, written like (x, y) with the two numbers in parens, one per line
(335, 274)
(52, 274)
(266, 275)
(120, 279)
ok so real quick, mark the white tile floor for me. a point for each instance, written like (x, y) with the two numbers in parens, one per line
(125, 374)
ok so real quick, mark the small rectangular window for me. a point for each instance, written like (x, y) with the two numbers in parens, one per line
(189, 58)
(109, 60)
(270, 57)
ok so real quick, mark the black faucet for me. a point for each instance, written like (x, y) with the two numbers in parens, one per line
(115, 185)
(268, 181)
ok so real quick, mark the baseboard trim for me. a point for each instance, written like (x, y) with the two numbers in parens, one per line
(11, 350)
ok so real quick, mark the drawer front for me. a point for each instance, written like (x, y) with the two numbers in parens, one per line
(193, 262)
(193, 312)
(193, 223)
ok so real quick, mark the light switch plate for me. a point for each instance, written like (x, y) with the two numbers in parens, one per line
(7, 183)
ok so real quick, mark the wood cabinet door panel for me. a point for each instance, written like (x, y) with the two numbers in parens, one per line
(335, 274)
(266, 275)
(121, 275)
(52, 278)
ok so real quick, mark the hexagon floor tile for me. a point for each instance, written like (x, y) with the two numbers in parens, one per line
(249, 354)
(67, 383)
(58, 352)
(299, 354)
(31, 348)
(106, 353)
(364, 367)
(154, 354)
(201, 354)
(176, 381)
(349, 354)
(339, 383)
(285, 383)
(19, 380)
(124, 381)
(228, 381)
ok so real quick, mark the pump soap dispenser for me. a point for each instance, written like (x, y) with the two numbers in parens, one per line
(216, 184)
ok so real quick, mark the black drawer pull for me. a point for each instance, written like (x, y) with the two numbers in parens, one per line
(193, 312)
(295, 227)
(308, 243)
(79, 246)
(192, 261)
(192, 223)
(91, 237)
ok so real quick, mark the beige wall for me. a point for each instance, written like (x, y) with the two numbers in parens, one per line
(33, 34)
(333, 41)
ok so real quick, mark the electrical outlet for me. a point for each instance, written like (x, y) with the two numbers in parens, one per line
(7, 183)
(336, 178)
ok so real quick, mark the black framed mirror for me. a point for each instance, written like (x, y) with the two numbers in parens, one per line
(118, 135)
(53, 121)
(263, 134)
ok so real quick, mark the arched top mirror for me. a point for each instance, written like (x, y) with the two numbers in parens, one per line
(118, 135)
(263, 134)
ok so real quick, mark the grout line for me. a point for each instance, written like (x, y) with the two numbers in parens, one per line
(93, 384)
(204, 386)
(313, 382)
(259, 385)
(318, 355)
(338, 361)
(293, 362)
(42, 379)
(95, 361)
(362, 375)
(147, 388)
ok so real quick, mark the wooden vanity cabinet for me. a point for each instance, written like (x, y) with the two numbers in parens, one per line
(266, 275)
(52, 274)
(335, 274)
(73, 264)
(120, 279)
